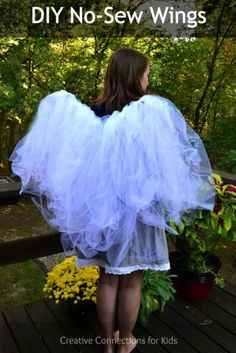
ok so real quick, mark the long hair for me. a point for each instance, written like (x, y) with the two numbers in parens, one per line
(121, 86)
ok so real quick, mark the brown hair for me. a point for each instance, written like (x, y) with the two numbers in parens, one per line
(121, 86)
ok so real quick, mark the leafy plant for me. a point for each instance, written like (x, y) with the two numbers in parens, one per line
(157, 289)
(199, 237)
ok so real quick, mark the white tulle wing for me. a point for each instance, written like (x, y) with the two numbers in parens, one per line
(93, 179)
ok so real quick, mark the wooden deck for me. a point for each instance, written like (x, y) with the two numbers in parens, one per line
(205, 327)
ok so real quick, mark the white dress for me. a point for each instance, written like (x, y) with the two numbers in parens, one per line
(111, 186)
(148, 250)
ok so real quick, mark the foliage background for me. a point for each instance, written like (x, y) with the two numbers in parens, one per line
(197, 75)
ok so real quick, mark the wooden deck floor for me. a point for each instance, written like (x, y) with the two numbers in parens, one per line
(205, 327)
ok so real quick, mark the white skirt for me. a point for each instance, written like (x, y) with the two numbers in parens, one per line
(148, 250)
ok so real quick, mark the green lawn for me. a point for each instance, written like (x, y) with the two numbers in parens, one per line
(20, 283)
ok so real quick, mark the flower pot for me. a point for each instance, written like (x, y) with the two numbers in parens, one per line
(85, 307)
(193, 286)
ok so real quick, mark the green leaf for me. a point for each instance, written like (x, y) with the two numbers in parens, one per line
(214, 223)
(227, 223)
(181, 227)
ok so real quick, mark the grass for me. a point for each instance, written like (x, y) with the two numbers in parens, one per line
(20, 283)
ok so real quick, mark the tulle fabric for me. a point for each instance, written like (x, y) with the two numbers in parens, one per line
(94, 178)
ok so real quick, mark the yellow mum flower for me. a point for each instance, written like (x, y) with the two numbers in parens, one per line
(66, 281)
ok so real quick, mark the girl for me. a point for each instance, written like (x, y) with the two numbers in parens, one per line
(110, 178)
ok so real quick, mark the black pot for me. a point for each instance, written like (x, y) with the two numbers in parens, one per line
(193, 285)
(82, 308)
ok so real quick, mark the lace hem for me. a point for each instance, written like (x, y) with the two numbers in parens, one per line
(122, 270)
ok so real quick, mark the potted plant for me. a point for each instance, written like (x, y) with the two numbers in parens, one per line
(156, 290)
(194, 262)
(74, 287)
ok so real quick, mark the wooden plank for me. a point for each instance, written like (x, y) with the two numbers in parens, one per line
(166, 334)
(48, 328)
(24, 331)
(5, 187)
(42, 323)
(7, 342)
(9, 179)
(74, 325)
(206, 324)
(230, 288)
(146, 342)
(91, 321)
(29, 248)
(9, 189)
(217, 314)
(83, 325)
(190, 334)
(223, 300)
